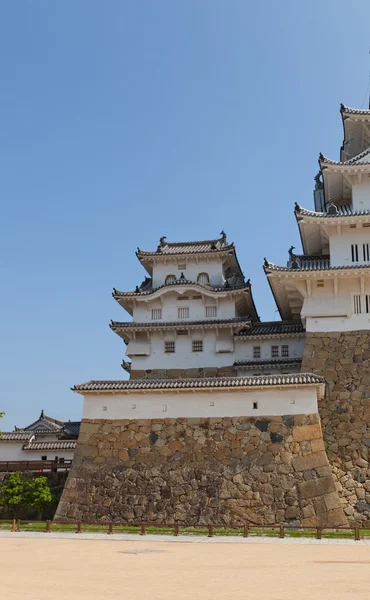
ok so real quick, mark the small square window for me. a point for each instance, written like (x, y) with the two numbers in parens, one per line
(274, 351)
(197, 345)
(183, 312)
(169, 347)
(285, 350)
(156, 314)
(256, 351)
(44, 458)
(255, 405)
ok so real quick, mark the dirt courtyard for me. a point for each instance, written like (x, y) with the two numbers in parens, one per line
(53, 569)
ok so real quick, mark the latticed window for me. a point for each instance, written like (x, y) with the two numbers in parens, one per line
(169, 347)
(183, 312)
(357, 304)
(211, 311)
(170, 279)
(365, 250)
(285, 350)
(256, 351)
(203, 278)
(354, 252)
(156, 314)
(181, 266)
(197, 345)
(274, 351)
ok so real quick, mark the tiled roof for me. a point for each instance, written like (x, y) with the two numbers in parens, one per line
(198, 247)
(312, 265)
(176, 324)
(279, 362)
(147, 292)
(72, 428)
(45, 423)
(353, 111)
(214, 382)
(342, 211)
(272, 328)
(58, 445)
(16, 436)
(356, 160)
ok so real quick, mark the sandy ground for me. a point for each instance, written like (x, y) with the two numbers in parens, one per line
(53, 569)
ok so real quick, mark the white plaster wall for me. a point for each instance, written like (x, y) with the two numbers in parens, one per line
(153, 405)
(183, 357)
(325, 311)
(170, 303)
(13, 451)
(244, 350)
(361, 194)
(340, 244)
(212, 267)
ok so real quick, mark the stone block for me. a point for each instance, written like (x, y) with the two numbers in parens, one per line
(316, 487)
(310, 461)
(307, 433)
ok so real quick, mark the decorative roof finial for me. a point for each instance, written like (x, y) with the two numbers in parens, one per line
(42, 414)
(162, 240)
(138, 250)
(223, 236)
(291, 253)
(265, 262)
(137, 290)
(182, 276)
(297, 208)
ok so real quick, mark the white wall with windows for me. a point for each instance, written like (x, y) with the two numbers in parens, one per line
(210, 403)
(350, 246)
(361, 194)
(269, 348)
(208, 271)
(185, 350)
(189, 305)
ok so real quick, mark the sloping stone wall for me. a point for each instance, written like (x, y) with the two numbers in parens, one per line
(199, 471)
(344, 360)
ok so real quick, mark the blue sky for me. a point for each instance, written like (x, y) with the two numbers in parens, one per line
(124, 121)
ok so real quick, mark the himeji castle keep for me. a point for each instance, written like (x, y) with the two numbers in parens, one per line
(224, 418)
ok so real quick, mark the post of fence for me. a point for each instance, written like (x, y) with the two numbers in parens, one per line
(281, 531)
(142, 529)
(318, 533)
(210, 530)
(357, 534)
(18, 525)
(13, 526)
(246, 528)
(176, 529)
(47, 530)
(79, 527)
(110, 528)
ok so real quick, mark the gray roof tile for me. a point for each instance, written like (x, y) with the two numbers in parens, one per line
(279, 362)
(57, 445)
(212, 382)
(272, 328)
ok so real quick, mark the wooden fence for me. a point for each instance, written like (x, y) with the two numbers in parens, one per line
(246, 529)
(10, 466)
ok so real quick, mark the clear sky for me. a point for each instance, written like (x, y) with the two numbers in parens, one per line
(124, 121)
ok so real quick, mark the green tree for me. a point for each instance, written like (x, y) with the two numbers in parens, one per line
(13, 493)
(38, 494)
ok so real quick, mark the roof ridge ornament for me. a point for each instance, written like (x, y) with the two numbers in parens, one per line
(332, 210)
(223, 236)
(318, 183)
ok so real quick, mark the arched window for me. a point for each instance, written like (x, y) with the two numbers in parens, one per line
(203, 278)
(170, 279)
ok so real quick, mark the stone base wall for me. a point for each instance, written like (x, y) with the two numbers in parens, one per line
(200, 471)
(183, 373)
(344, 360)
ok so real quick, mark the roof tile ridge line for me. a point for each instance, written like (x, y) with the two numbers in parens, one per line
(245, 285)
(357, 157)
(159, 322)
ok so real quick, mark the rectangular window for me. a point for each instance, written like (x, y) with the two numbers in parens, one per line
(181, 267)
(211, 311)
(365, 250)
(367, 303)
(285, 350)
(354, 252)
(357, 304)
(320, 283)
(274, 351)
(255, 405)
(256, 351)
(197, 345)
(169, 347)
(182, 298)
(156, 314)
(183, 313)
(44, 458)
